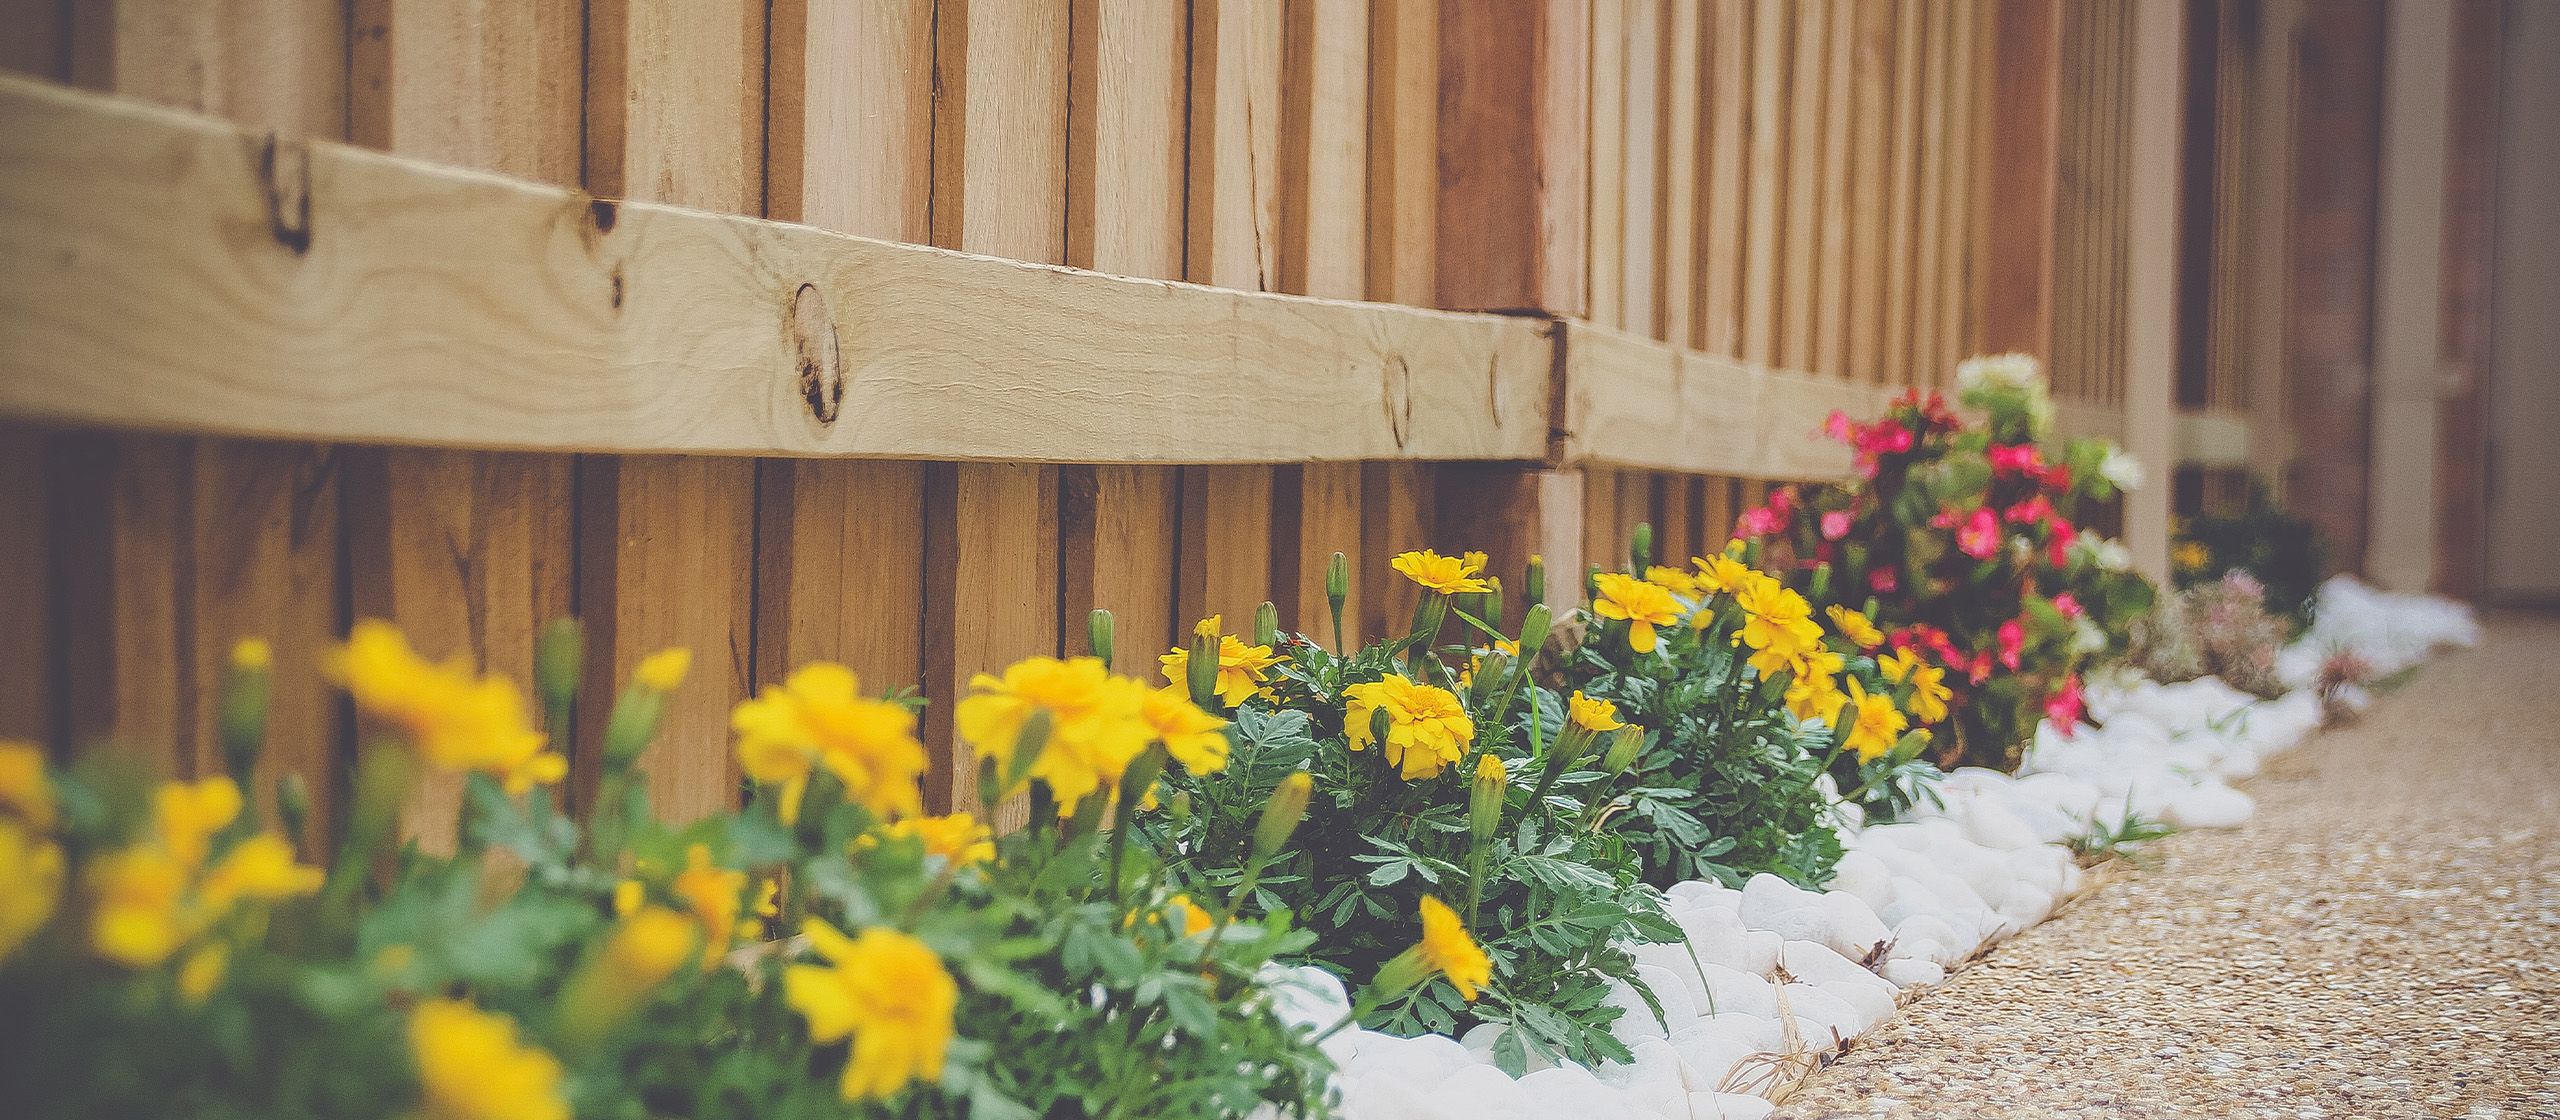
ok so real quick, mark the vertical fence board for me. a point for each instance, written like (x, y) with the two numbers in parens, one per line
(27, 597)
(1684, 100)
(1728, 85)
(675, 113)
(1325, 161)
(1872, 144)
(1928, 253)
(1640, 254)
(1404, 142)
(1398, 517)
(839, 547)
(999, 187)
(1902, 221)
(1238, 105)
(468, 552)
(1611, 142)
(1801, 259)
(1127, 129)
(1764, 226)
(257, 519)
(1839, 121)
(1956, 226)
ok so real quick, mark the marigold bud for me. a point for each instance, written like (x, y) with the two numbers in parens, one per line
(1266, 624)
(1533, 631)
(1622, 749)
(632, 724)
(246, 686)
(1337, 580)
(1484, 796)
(1098, 635)
(293, 805)
(665, 669)
(1535, 584)
(559, 656)
(1640, 547)
(1281, 814)
(1819, 588)
(1201, 673)
(1493, 604)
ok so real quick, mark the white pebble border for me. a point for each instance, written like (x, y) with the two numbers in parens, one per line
(1770, 979)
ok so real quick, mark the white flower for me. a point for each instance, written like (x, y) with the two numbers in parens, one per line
(2101, 552)
(2086, 637)
(2121, 468)
(1998, 371)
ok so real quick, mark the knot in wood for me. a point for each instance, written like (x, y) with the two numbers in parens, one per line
(811, 330)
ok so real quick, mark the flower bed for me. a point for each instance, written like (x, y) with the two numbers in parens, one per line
(1592, 860)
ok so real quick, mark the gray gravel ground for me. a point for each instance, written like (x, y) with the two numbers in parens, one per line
(2381, 940)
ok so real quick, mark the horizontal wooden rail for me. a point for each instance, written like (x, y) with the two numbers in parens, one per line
(1631, 401)
(2214, 438)
(164, 270)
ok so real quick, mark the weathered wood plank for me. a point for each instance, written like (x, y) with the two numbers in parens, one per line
(1765, 225)
(1720, 283)
(1632, 402)
(502, 331)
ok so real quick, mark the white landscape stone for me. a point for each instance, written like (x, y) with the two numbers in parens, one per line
(1729, 1106)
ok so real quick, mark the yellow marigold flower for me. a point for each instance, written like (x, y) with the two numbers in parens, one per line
(1097, 722)
(1720, 573)
(1447, 575)
(137, 903)
(1875, 722)
(957, 837)
(1929, 691)
(1593, 715)
(201, 973)
(1427, 729)
(1642, 605)
(818, 717)
(886, 990)
(456, 721)
(2191, 556)
(650, 945)
(1777, 623)
(712, 894)
(1672, 579)
(471, 1066)
(1193, 737)
(31, 873)
(1240, 666)
(627, 897)
(1448, 950)
(1816, 696)
(188, 816)
(251, 655)
(25, 792)
(1855, 627)
(665, 669)
(1187, 919)
(259, 868)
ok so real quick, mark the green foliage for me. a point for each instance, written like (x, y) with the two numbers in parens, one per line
(2283, 552)
(1082, 991)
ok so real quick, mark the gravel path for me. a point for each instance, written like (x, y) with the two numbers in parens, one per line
(2382, 940)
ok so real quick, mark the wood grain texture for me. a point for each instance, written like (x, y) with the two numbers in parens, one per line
(1720, 261)
(1398, 515)
(125, 594)
(2017, 218)
(1829, 353)
(1764, 223)
(1226, 545)
(1632, 402)
(132, 215)
(470, 553)
(990, 598)
(1871, 127)
(1930, 205)
(1513, 115)
(1806, 120)
(1511, 513)
(1902, 198)
(1610, 148)
(1640, 252)
(1404, 150)
(849, 121)
(1683, 137)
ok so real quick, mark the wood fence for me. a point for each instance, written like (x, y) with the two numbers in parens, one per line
(1150, 305)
